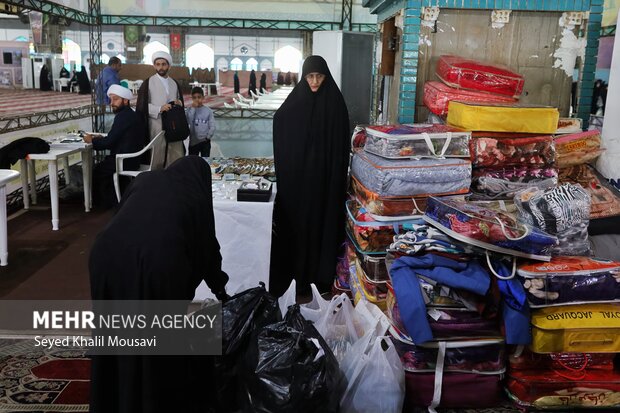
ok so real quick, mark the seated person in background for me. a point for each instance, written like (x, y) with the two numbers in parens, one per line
(126, 136)
(201, 124)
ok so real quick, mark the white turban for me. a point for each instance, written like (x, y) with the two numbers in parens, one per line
(162, 55)
(120, 91)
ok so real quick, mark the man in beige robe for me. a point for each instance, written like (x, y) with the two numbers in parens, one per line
(154, 98)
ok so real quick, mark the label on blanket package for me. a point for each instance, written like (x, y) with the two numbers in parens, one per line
(577, 316)
(117, 327)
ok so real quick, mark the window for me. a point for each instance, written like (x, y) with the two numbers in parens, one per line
(266, 64)
(151, 48)
(105, 58)
(21, 39)
(200, 56)
(236, 64)
(222, 64)
(251, 64)
(288, 59)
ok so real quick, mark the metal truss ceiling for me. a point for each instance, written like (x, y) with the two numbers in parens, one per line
(54, 9)
(230, 23)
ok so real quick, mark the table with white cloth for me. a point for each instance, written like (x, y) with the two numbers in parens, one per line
(59, 151)
(243, 230)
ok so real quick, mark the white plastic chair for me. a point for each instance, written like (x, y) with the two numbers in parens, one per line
(254, 95)
(243, 99)
(241, 104)
(155, 144)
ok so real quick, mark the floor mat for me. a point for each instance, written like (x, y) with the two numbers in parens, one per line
(39, 380)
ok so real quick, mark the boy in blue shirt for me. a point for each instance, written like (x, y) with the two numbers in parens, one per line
(201, 124)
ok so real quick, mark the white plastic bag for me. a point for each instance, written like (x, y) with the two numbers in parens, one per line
(288, 298)
(315, 308)
(311, 311)
(377, 383)
(340, 326)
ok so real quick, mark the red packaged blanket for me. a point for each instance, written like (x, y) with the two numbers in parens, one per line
(489, 149)
(463, 73)
(437, 96)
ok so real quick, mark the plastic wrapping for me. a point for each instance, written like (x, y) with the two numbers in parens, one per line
(605, 199)
(420, 140)
(437, 96)
(464, 73)
(459, 390)
(503, 118)
(449, 321)
(571, 280)
(590, 328)
(371, 235)
(423, 239)
(290, 368)
(403, 178)
(488, 229)
(550, 389)
(358, 291)
(504, 183)
(373, 266)
(471, 356)
(383, 208)
(573, 365)
(569, 125)
(578, 148)
(562, 211)
(494, 150)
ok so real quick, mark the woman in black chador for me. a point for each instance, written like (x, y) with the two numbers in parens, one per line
(45, 82)
(311, 143)
(263, 83)
(83, 81)
(159, 246)
(236, 82)
(252, 86)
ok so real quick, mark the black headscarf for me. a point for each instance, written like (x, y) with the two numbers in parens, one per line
(311, 143)
(159, 246)
(83, 82)
(252, 86)
(263, 83)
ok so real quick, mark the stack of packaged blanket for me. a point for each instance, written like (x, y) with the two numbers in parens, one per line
(451, 294)
(392, 176)
(575, 336)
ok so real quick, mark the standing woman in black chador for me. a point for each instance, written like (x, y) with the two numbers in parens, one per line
(159, 246)
(83, 81)
(44, 79)
(263, 83)
(236, 82)
(252, 87)
(311, 143)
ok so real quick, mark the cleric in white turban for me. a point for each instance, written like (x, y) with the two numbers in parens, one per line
(162, 55)
(120, 91)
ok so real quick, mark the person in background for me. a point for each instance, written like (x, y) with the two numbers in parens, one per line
(83, 81)
(45, 82)
(160, 245)
(280, 79)
(156, 96)
(311, 145)
(108, 77)
(263, 83)
(236, 84)
(64, 73)
(287, 78)
(125, 136)
(201, 124)
(252, 86)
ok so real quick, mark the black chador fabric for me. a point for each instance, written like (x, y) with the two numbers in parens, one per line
(236, 82)
(252, 86)
(263, 83)
(280, 79)
(159, 246)
(83, 82)
(287, 78)
(311, 142)
(19, 148)
(45, 82)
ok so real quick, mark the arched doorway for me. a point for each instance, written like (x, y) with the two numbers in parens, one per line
(288, 59)
(251, 64)
(151, 48)
(200, 56)
(71, 53)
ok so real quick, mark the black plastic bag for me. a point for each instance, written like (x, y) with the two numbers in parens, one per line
(290, 368)
(242, 315)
